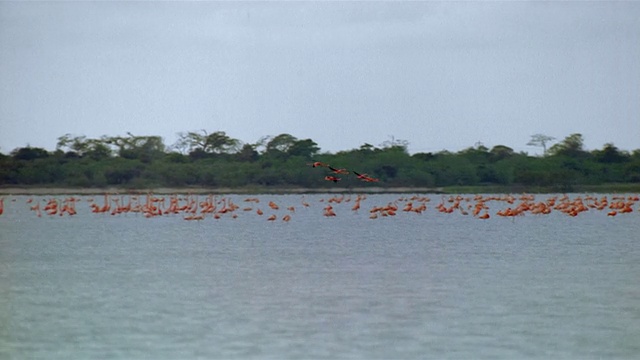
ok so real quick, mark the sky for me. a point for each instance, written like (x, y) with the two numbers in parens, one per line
(439, 75)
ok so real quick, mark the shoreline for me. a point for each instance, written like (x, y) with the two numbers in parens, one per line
(16, 190)
(255, 190)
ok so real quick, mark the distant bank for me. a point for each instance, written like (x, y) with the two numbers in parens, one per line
(221, 190)
(489, 189)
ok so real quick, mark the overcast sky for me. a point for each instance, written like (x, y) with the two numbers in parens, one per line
(440, 75)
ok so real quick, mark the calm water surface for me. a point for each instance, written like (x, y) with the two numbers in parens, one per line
(413, 286)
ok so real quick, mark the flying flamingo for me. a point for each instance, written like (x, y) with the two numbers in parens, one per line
(332, 178)
(319, 164)
(339, 171)
(365, 177)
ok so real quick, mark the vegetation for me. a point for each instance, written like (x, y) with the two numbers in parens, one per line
(200, 159)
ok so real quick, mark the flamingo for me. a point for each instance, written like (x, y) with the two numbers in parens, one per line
(365, 177)
(319, 164)
(328, 211)
(339, 171)
(332, 178)
(36, 208)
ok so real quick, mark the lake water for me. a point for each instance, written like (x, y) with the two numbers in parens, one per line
(410, 286)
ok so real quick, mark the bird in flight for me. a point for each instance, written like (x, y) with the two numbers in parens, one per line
(319, 164)
(339, 171)
(332, 178)
(365, 177)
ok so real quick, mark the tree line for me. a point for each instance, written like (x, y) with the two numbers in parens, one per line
(201, 159)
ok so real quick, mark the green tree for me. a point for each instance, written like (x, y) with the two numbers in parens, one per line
(283, 160)
(450, 169)
(632, 171)
(478, 154)
(306, 148)
(611, 154)
(571, 146)
(389, 161)
(541, 140)
(281, 143)
(143, 148)
(29, 153)
(122, 171)
(96, 149)
(219, 143)
(215, 143)
(500, 152)
(395, 143)
(247, 153)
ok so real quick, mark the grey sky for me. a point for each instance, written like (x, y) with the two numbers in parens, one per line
(441, 75)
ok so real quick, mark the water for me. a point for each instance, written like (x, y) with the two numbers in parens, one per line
(412, 286)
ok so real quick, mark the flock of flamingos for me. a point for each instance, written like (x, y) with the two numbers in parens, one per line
(199, 207)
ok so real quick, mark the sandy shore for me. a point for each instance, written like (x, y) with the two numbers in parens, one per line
(114, 190)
